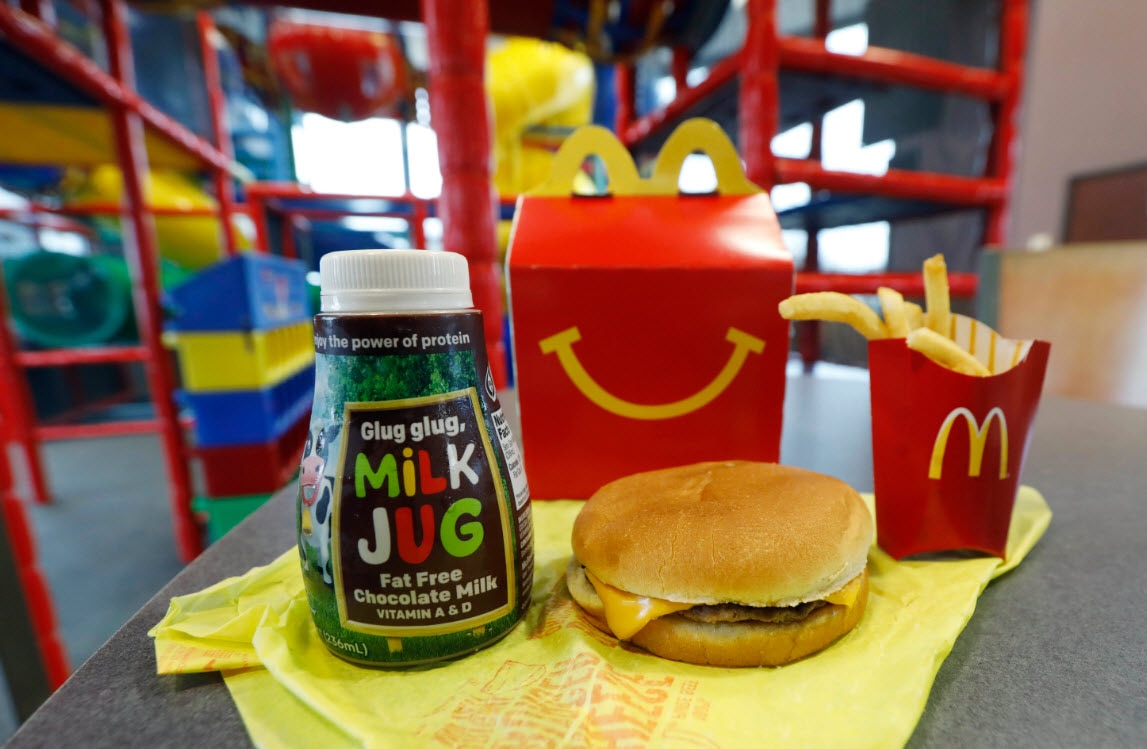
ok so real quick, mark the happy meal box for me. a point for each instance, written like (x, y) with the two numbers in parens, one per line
(644, 322)
(948, 448)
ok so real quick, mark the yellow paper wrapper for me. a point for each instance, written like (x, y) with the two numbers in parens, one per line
(558, 681)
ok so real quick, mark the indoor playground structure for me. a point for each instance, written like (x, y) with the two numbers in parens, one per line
(147, 149)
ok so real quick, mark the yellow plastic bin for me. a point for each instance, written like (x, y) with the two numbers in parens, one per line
(210, 361)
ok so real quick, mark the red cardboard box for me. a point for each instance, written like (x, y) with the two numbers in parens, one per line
(644, 322)
(948, 449)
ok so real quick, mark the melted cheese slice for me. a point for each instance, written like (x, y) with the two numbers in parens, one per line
(846, 596)
(626, 613)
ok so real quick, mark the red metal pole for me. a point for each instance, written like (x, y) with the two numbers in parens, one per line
(287, 238)
(624, 81)
(418, 224)
(106, 429)
(808, 332)
(213, 80)
(43, 216)
(295, 190)
(456, 33)
(44, 10)
(679, 67)
(962, 285)
(759, 100)
(16, 406)
(1005, 138)
(87, 407)
(631, 130)
(896, 183)
(37, 599)
(333, 213)
(892, 66)
(260, 195)
(93, 355)
(822, 22)
(810, 55)
(141, 252)
(257, 210)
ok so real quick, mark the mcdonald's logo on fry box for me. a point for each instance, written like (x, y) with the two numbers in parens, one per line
(948, 448)
(977, 438)
(644, 322)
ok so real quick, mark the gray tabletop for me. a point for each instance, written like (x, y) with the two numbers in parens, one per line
(1055, 655)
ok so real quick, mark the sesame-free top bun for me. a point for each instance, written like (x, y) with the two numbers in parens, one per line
(755, 547)
(758, 534)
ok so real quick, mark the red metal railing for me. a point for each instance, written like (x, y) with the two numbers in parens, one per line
(1005, 136)
(757, 66)
(808, 334)
(39, 41)
(765, 53)
(961, 285)
(16, 408)
(212, 78)
(633, 130)
(892, 66)
(37, 599)
(896, 183)
(264, 197)
(129, 114)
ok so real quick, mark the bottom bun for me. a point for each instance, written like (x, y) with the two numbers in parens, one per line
(739, 644)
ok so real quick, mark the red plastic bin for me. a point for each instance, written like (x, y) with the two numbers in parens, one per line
(254, 468)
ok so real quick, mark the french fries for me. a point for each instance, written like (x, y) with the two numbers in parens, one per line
(937, 302)
(945, 352)
(927, 329)
(895, 316)
(915, 314)
(835, 307)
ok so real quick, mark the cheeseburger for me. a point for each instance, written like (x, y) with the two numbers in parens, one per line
(728, 563)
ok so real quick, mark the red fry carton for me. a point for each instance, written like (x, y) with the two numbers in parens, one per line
(644, 322)
(948, 449)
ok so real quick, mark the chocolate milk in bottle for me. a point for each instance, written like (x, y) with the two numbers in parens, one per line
(413, 512)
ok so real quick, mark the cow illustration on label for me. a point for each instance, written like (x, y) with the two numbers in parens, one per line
(317, 492)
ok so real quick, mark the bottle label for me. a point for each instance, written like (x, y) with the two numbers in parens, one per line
(418, 551)
(414, 521)
(514, 465)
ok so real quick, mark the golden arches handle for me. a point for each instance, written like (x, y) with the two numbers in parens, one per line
(591, 140)
(697, 135)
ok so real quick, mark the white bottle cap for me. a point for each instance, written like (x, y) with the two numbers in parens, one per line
(394, 280)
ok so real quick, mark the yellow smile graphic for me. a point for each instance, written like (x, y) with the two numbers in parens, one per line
(562, 345)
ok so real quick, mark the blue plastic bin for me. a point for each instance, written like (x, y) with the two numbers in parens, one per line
(244, 292)
(240, 417)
